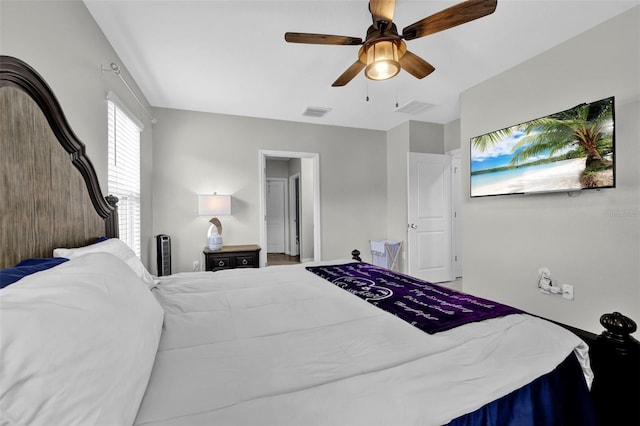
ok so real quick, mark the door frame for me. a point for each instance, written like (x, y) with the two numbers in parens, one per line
(263, 154)
(294, 219)
(456, 205)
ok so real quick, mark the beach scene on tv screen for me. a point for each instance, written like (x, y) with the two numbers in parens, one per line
(565, 151)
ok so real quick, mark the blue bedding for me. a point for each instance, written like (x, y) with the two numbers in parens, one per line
(27, 267)
(559, 398)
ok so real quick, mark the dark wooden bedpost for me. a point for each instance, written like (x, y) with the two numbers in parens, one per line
(615, 360)
(111, 226)
(618, 331)
(355, 255)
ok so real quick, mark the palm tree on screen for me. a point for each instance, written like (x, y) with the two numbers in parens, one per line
(585, 131)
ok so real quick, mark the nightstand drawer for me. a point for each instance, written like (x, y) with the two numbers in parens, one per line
(218, 262)
(230, 257)
(245, 261)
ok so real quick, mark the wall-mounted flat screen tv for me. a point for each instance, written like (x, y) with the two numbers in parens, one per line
(566, 151)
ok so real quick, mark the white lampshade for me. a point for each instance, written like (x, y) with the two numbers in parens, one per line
(214, 205)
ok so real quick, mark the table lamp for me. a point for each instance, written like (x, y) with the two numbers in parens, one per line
(214, 205)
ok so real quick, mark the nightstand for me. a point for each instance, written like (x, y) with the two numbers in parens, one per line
(230, 257)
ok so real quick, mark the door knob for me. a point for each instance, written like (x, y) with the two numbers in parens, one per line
(413, 226)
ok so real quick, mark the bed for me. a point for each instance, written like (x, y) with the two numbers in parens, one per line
(88, 336)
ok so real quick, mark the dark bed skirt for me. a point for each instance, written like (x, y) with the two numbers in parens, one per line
(560, 397)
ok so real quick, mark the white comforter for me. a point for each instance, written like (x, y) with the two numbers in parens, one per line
(282, 346)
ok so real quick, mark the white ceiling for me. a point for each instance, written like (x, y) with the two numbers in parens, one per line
(230, 57)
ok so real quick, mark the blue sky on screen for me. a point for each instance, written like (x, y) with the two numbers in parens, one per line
(497, 155)
(500, 154)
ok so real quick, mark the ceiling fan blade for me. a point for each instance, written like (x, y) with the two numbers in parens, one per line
(349, 74)
(382, 10)
(308, 38)
(415, 65)
(451, 17)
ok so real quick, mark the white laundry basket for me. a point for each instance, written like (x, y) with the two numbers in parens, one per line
(385, 253)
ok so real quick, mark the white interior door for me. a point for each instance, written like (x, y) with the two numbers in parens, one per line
(276, 211)
(430, 252)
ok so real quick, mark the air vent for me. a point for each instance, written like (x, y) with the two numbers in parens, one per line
(316, 112)
(414, 107)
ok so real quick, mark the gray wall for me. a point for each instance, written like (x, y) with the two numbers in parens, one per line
(591, 241)
(277, 169)
(426, 137)
(62, 42)
(452, 136)
(204, 153)
(398, 140)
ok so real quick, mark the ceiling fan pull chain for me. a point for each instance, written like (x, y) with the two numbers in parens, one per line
(396, 94)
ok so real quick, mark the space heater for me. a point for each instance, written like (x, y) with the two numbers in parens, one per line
(163, 247)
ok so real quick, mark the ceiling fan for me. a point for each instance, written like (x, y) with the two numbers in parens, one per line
(384, 51)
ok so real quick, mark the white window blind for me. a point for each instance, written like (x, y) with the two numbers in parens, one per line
(124, 172)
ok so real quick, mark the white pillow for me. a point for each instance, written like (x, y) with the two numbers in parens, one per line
(78, 344)
(114, 246)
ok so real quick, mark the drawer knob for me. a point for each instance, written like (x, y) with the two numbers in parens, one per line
(244, 261)
(221, 263)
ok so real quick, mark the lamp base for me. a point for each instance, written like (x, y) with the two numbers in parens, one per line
(214, 242)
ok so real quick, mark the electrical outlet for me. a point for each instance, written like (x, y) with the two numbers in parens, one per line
(196, 266)
(567, 291)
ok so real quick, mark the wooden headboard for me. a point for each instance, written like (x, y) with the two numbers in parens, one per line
(49, 191)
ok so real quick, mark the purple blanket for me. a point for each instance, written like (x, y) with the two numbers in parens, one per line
(429, 307)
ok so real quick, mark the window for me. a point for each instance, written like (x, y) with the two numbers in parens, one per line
(124, 171)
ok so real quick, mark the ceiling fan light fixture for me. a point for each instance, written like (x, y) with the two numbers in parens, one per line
(382, 60)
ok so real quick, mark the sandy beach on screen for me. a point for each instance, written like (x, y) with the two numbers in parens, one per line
(564, 175)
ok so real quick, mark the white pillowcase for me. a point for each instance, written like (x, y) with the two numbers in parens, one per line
(114, 246)
(78, 344)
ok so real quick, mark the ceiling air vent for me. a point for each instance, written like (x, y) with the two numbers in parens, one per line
(414, 107)
(316, 112)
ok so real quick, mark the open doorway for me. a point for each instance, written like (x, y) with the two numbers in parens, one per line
(289, 207)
